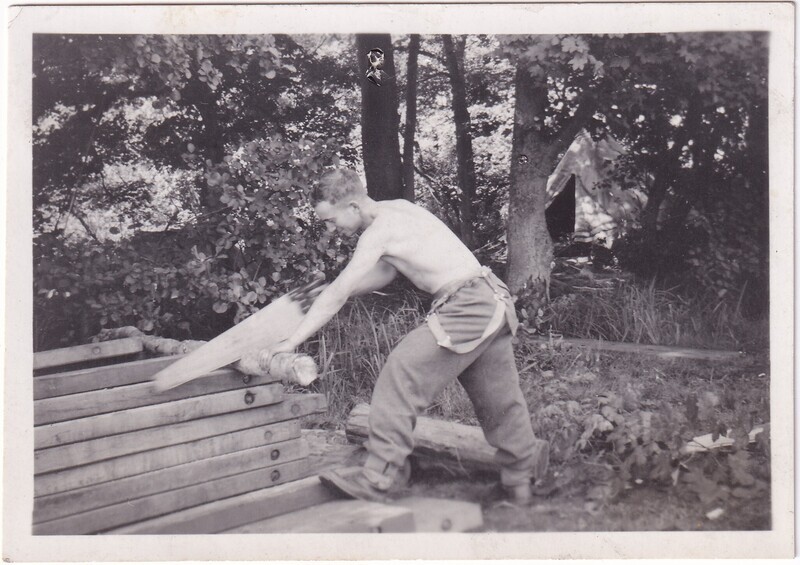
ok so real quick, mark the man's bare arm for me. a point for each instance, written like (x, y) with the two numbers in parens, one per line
(382, 274)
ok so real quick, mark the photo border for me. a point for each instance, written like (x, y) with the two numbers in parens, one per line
(777, 18)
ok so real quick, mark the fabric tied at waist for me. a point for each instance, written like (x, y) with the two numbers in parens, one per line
(466, 312)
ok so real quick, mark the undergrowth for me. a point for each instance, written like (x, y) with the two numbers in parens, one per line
(643, 313)
(615, 423)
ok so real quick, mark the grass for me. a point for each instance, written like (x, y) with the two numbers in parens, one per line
(642, 313)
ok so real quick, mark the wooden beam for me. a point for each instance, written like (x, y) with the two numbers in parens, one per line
(338, 516)
(456, 448)
(111, 517)
(138, 485)
(662, 351)
(443, 515)
(71, 382)
(169, 456)
(84, 452)
(158, 415)
(95, 402)
(229, 513)
(88, 352)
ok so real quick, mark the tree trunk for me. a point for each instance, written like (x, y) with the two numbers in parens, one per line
(454, 58)
(380, 122)
(411, 119)
(655, 197)
(530, 249)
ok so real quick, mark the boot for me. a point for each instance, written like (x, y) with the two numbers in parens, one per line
(351, 482)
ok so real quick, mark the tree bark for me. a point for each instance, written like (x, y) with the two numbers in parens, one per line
(454, 58)
(530, 249)
(411, 119)
(380, 122)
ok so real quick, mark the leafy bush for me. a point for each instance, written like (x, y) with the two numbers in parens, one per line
(199, 280)
(617, 423)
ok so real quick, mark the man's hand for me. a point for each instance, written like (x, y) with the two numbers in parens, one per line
(266, 355)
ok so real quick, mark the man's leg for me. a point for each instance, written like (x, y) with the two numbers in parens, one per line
(492, 383)
(415, 373)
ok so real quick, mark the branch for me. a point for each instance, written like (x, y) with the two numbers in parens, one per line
(85, 226)
(428, 54)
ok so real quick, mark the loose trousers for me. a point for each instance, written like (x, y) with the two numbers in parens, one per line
(418, 370)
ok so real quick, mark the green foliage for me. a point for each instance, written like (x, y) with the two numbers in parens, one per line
(171, 176)
(265, 243)
(628, 423)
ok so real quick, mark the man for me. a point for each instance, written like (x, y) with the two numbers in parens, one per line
(467, 336)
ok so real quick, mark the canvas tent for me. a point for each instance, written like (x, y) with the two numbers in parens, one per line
(578, 204)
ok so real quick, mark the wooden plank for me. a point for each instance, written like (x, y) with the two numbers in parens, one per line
(81, 500)
(111, 517)
(84, 452)
(171, 455)
(158, 415)
(456, 448)
(83, 380)
(663, 351)
(443, 515)
(236, 511)
(92, 403)
(88, 352)
(338, 516)
(707, 442)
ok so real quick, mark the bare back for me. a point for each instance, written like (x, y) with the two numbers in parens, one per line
(419, 245)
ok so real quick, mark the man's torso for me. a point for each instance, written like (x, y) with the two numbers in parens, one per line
(422, 247)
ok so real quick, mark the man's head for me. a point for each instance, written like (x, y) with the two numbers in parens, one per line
(337, 200)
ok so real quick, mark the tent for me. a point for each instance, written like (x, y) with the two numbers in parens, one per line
(576, 201)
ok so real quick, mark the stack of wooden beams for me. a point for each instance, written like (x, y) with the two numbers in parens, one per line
(110, 452)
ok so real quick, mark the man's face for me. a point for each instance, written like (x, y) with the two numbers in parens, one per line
(343, 217)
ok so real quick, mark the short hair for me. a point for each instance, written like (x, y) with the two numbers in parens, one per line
(337, 185)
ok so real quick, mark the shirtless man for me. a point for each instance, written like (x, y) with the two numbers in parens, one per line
(467, 337)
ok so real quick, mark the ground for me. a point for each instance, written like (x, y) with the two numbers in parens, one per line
(617, 426)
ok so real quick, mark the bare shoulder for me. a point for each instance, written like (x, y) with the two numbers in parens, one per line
(393, 211)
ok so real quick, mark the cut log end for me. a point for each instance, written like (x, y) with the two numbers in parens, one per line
(289, 367)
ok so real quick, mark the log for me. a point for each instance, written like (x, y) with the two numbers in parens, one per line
(338, 516)
(92, 403)
(662, 351)
(223, 515)
(156, 459)
(158, 415)
(140, 484)
(110, 517)
(81, 453)
(456, 448)
(82, 353)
